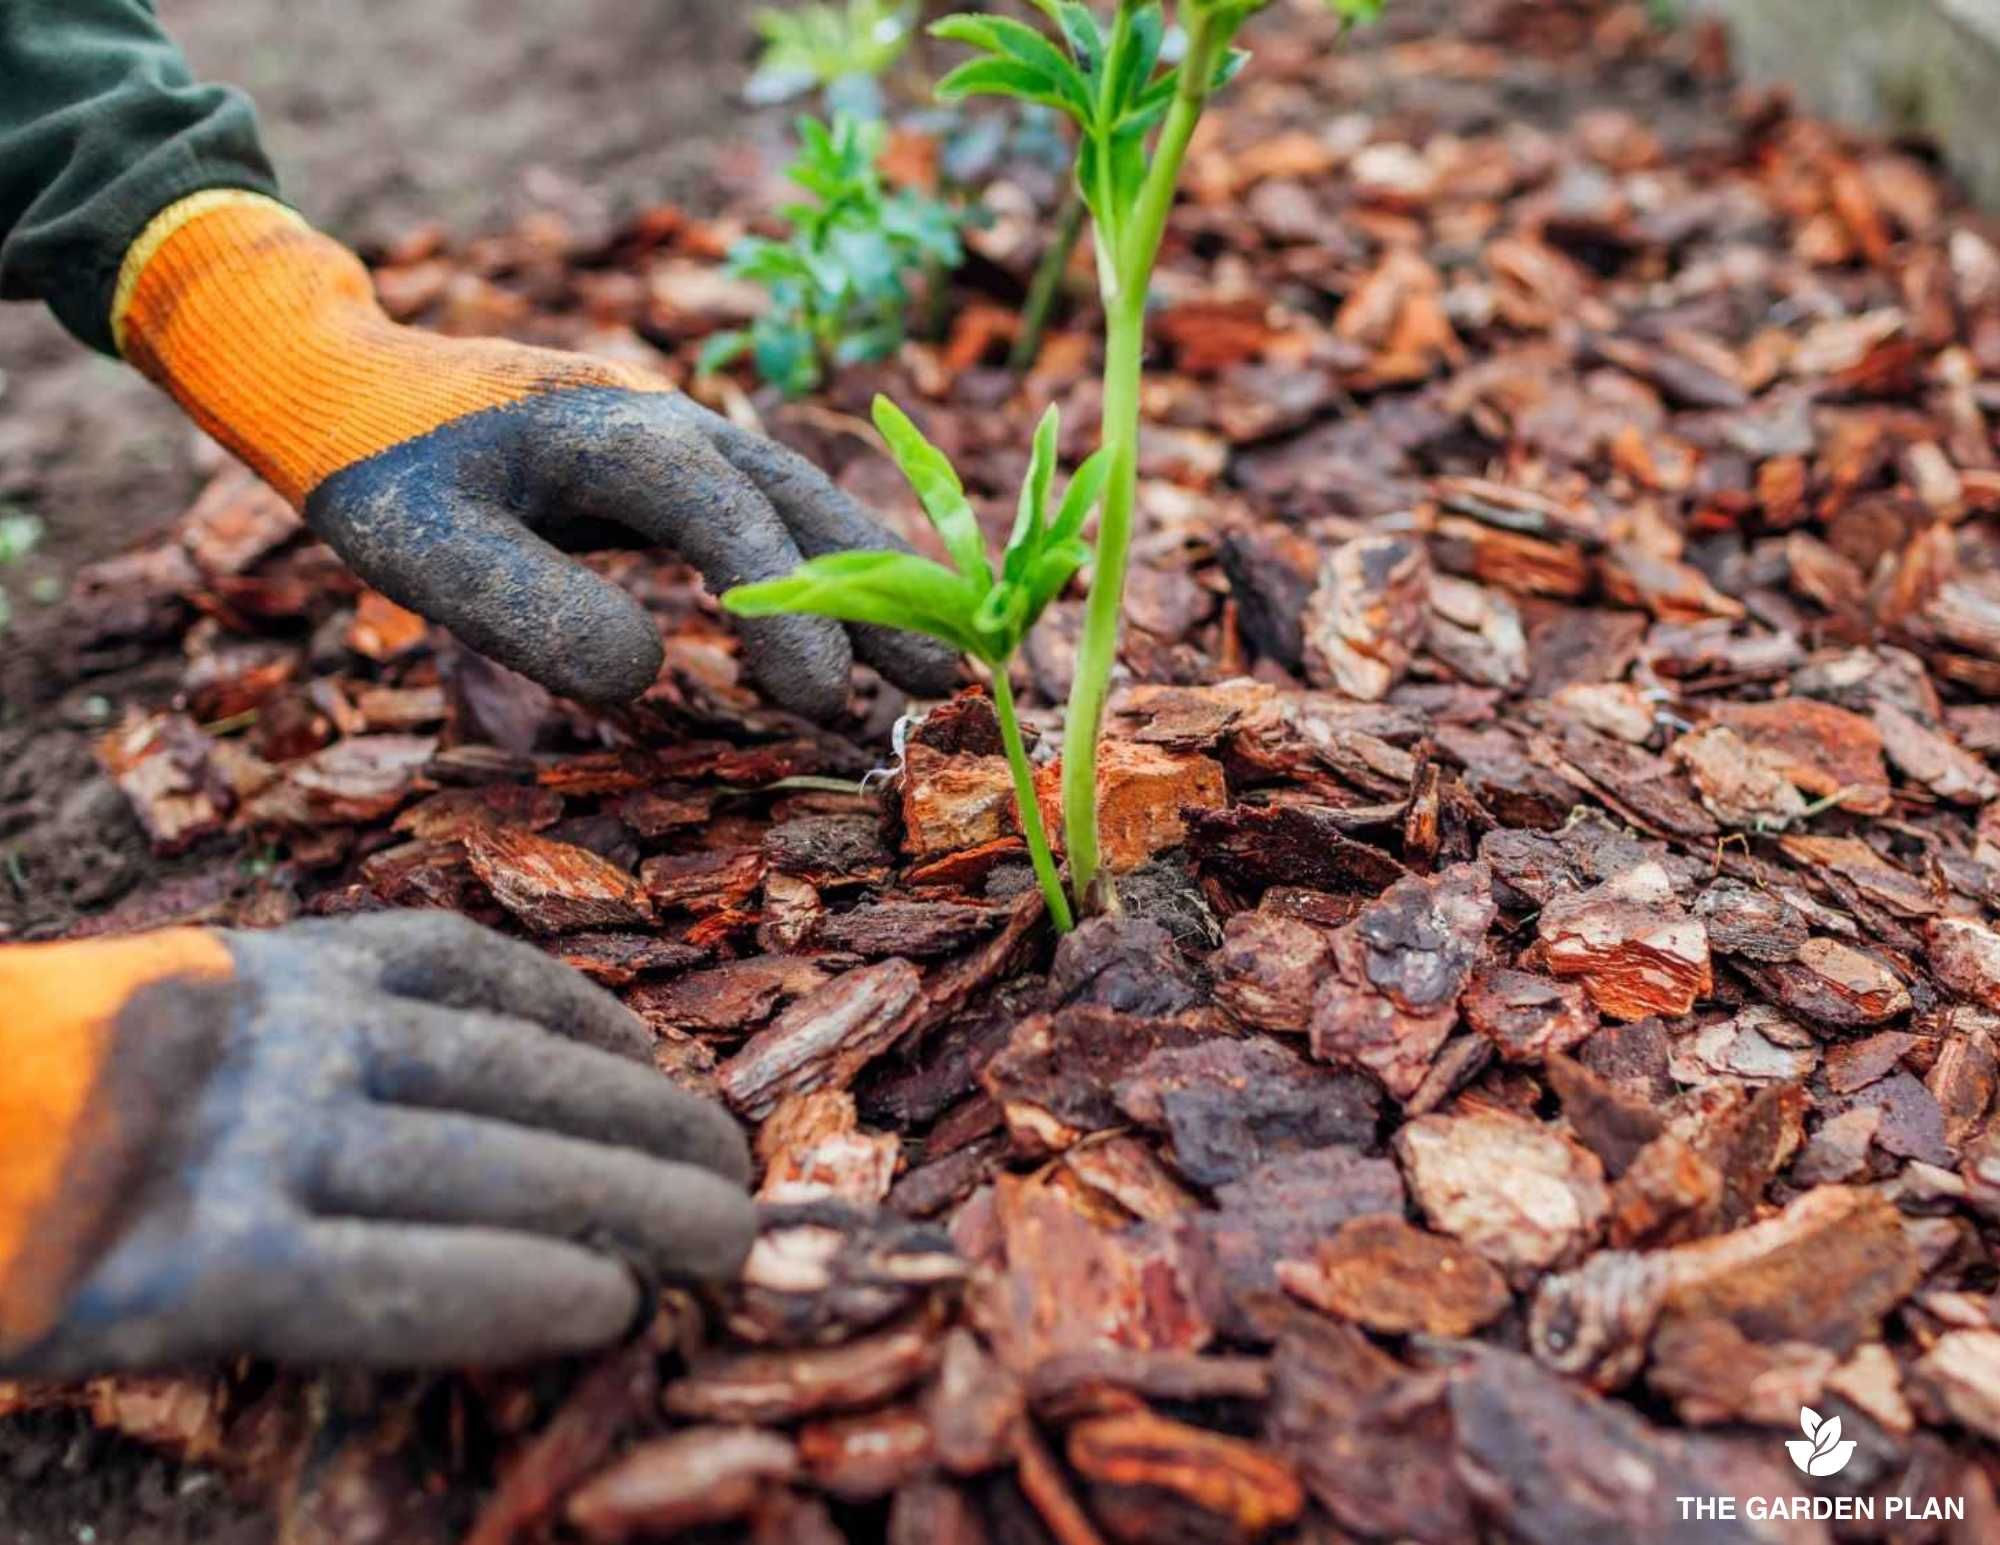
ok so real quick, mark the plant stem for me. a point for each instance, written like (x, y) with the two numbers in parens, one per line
(1030, 808)
(1048, 284)
(1125, 262)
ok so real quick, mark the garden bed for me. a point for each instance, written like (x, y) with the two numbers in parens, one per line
(1550, 1036)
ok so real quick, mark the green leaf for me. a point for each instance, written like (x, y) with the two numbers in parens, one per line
(1080, 498)
(785, 355)
(1007, 38)
(1032, 516)
(936, 483)
(1081, 33)
(895, 590)
(721, 351)
(1133, 69)
(1005, 78)
(1051, 572)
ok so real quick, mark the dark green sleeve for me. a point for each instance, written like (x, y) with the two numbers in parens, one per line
(101, 127)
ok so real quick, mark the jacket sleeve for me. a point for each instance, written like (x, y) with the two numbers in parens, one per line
(101, 127)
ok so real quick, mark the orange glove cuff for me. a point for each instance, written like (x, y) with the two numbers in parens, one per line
(59, 1006)
(269, 335)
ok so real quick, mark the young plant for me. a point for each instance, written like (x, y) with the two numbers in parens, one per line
(967, 605)
(838, 49)
(1135, 117)
(839, 283)
(1135, 113)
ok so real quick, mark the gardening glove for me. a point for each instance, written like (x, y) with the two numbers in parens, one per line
(448, 472)
(395, 1140)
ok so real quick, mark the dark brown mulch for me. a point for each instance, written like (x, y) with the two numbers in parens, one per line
(1550, 1038)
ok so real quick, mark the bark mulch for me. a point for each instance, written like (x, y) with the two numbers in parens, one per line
(1553, 1030)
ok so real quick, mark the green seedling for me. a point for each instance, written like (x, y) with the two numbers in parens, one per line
(1135, 111)
(1135, 116)
(967, 605)
(838, 50)
(840, 282)
(19, 535)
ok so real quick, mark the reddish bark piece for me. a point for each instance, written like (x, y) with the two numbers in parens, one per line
(1043, 1483)
(1825, 1271)
(1823, 750)
(1741, 783)
(1372, 1440)
(1071, 1283)
(812, 1146)
(921, 930)
(1965, 958)
(450, 815)
(730, 997)
(1614, 1123)
(1862, 877)
(702, 1475)
(1285, 1206)
(1532, 1448)
(618, 959)
(952, 801)
(966, 868)
(1512, 560)
(830, 850)
(1476, 632)
(1838, 985)
(1637, 952)
(974, 1407)
(1391, 1277)
(1129, 1172)
(1527, 1017)
(826, 1037)
(382, 630)
(1400, 967)
(555, 887)
(1519, 1193)
(858, 1458)
(1054, 1079)
(1262, 845)
(1228, 1106)
(1240, 1487)
(1367, 615)
(1671, 591)
(160, 764)
(1961, 1374)
(784, 1385)
(1142, 791)
(1852, 1065)
(703, 883)
(619, 1391)
(1933, 759)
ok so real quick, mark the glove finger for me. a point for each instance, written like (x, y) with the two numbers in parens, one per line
(464, 561)
(676, 1221)
(449, 960)
(508, 1070)
(393, 1295)
(824, 518)
(648, 473)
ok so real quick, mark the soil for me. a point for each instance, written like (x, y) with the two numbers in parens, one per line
(380, 114)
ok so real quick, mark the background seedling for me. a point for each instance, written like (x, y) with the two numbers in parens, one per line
(842, 51)
(839, 283)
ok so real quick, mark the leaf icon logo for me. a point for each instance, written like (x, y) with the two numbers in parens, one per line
(1820, 1451)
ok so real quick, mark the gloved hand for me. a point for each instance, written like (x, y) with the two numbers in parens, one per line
(394, 1140)
(447, 472)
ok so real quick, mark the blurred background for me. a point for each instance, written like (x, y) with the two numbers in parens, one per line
(381, 115)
